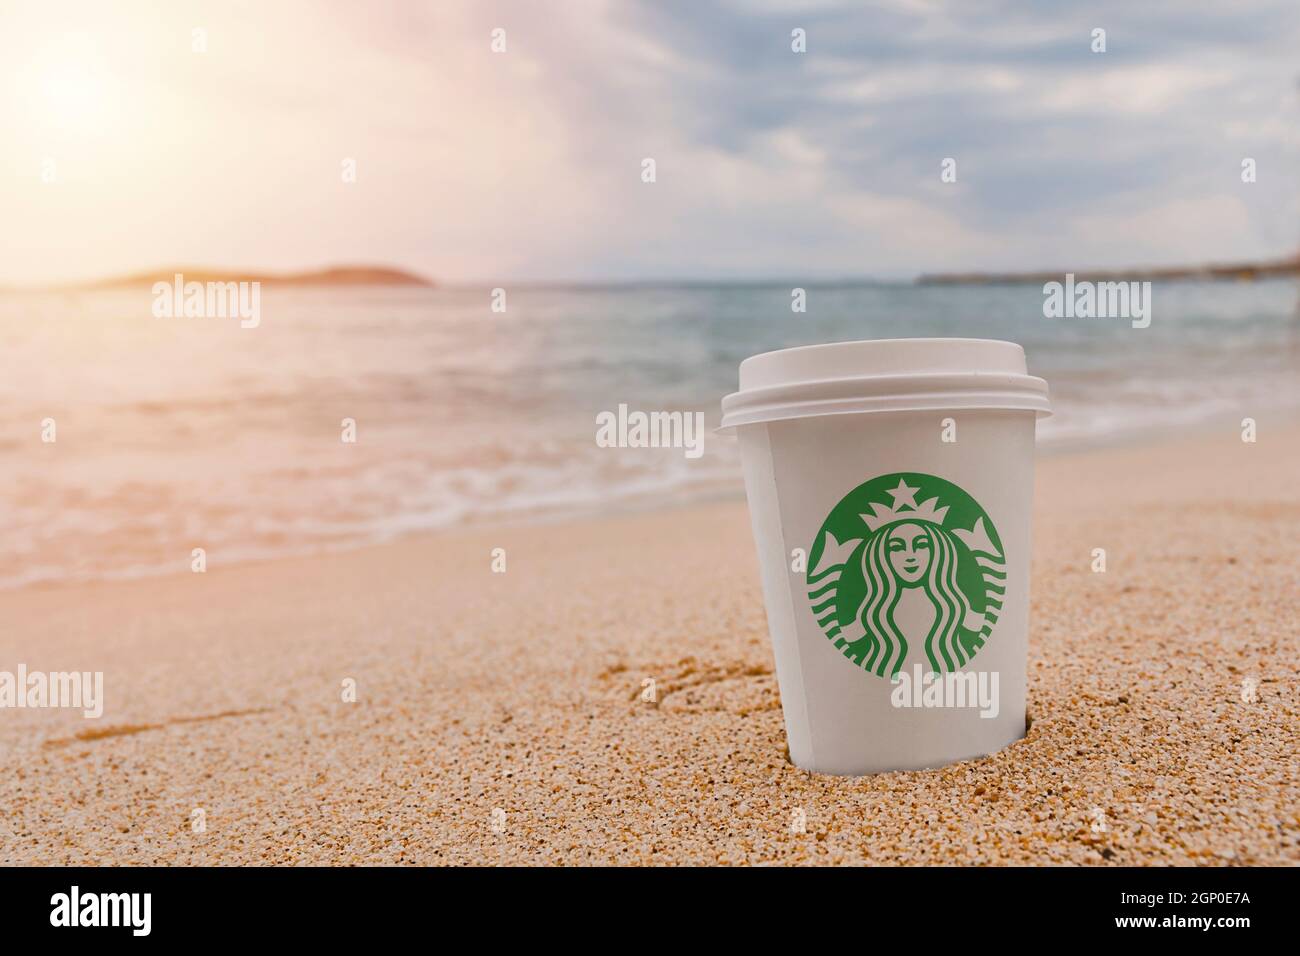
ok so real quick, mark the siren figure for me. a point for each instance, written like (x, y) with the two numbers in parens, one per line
(908, 547)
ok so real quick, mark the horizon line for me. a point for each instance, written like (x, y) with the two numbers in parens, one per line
(371, 274)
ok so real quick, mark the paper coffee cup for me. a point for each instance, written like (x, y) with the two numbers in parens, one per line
(890, 485)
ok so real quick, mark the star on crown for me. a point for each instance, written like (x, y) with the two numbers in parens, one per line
(904, 508)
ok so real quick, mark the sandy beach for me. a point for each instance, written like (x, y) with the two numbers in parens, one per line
(499, 717)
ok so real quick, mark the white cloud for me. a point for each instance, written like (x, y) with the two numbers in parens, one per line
(474, 165)
(1130, 89)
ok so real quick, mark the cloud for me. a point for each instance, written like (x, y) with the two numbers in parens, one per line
(526, 165)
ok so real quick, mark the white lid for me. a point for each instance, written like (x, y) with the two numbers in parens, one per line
(883, 375)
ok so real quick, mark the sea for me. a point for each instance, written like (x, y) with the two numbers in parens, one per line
(128, 441)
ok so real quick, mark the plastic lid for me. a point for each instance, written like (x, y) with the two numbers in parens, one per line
(883, 375)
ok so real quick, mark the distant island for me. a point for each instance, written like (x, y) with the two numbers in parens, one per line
(1240, 271)
(334, 277)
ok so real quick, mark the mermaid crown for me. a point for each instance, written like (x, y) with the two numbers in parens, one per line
(904, 508)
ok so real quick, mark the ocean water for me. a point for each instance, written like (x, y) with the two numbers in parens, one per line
(174, 434)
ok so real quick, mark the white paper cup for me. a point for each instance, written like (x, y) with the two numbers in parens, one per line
(890, 485)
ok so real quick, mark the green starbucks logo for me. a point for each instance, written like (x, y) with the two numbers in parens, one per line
(893, 580)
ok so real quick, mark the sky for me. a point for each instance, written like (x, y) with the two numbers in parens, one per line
(138, 135)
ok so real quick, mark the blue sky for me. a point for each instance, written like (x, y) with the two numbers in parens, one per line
(482, 166)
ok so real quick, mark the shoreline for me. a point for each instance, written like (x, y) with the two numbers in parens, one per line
(1254, 271)
(648, 503)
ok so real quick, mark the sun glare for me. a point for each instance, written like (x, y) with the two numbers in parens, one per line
(72, 90)
(72, 95)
